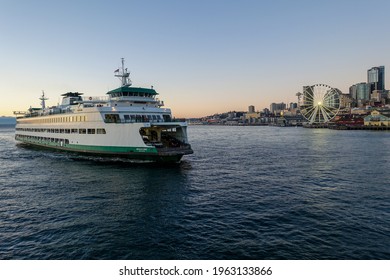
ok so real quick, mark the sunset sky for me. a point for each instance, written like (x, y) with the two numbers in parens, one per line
(202, 56)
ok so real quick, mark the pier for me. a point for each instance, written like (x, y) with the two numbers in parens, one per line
(363, 127)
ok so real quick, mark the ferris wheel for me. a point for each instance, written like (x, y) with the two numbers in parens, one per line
(319, 103)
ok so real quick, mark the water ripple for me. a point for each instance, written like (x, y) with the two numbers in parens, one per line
(246, 193)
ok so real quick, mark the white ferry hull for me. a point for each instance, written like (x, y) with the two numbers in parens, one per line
(127, 142)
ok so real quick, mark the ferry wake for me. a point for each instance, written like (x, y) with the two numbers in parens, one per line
(129, 122)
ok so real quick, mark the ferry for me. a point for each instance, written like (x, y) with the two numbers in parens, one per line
(129, 122)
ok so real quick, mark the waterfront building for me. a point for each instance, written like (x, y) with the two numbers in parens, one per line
(378, 118)
(293, 105)
(266, 112)
(345, 100)
(290, 120)
(376, 78)
(231, 115)
(276, 108)
(251, 109)
(291, 110)
(362, 111)
(252, 117)
(379, 96)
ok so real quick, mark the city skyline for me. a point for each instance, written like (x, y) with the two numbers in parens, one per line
(203, 57)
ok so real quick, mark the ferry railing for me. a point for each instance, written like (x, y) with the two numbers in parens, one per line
(132, 121)
(96, 99)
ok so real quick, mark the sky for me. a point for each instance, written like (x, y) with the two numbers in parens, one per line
(201, 56)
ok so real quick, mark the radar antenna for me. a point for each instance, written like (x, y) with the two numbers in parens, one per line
(123, 75)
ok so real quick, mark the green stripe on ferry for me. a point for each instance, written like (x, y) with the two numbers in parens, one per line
(111, 149)
(60, 144)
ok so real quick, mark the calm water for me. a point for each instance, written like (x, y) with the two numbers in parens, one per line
(246, 193)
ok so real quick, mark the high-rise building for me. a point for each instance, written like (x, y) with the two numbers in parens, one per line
(293, 105)
(352, 92)
(376, 78)
(362, 93)
(277, 107)
(251, 109)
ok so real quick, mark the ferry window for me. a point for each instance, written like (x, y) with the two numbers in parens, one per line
(138, 118)
(127, 118)
(167, 118)
(101, 131)
(82, 131)
(112, 118)
(154, 117)
(91, 131)
(132, 118)
(74, 130)
(67, 131)
(61, 131)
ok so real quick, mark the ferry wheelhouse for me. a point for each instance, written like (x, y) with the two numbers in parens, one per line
(129, 122)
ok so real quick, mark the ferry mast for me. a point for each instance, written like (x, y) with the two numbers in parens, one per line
(43, 98)
(123, 75)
